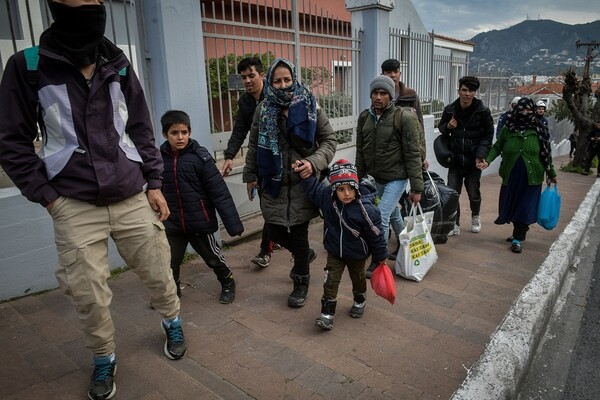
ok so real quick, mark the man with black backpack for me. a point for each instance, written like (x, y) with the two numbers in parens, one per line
(388, 147)
(98, 173)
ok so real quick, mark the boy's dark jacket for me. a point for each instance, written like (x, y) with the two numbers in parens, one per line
(194, 190)
(337, 239)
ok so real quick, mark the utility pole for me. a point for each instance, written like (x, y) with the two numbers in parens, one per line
(589, 57)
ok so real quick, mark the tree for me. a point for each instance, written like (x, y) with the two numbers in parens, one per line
(575, 94)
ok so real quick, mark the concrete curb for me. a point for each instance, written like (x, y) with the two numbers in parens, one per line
(504, 362)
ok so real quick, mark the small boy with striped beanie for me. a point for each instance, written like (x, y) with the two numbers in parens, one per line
(352, 233)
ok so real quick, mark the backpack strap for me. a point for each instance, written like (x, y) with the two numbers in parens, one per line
(32, 59)
(398, 122)
(362, 118)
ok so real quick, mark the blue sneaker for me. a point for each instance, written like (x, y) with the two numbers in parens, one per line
(175, 347)
(102, 384)
(516, 246)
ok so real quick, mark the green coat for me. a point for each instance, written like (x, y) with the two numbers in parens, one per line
(390, 149)
(512, 145)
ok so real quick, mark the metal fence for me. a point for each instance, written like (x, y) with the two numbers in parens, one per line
(415, 53)
(23, 21)
(323, 49)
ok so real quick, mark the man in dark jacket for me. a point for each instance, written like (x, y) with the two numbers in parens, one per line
(250, 70)
(98, 173)
(593, 149)
(403, 95)
(388, 148)
(470, 127)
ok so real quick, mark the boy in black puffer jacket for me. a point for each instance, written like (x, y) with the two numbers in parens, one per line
(195, 190)
(352, 233)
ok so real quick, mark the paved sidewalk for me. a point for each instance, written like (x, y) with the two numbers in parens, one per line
(258, 348)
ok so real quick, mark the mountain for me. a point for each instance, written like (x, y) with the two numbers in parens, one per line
(540, 47)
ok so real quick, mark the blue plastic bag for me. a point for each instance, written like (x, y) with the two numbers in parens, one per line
(549, 208)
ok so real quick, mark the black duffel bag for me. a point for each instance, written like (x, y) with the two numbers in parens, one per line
(439, 198)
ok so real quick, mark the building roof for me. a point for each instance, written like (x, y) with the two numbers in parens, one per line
(541, 89)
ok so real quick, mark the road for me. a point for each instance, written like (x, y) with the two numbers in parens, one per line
(567, 364)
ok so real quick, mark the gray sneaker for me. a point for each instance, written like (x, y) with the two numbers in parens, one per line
(455, 231)
(475, 224)
(358, 309)
(262, 259)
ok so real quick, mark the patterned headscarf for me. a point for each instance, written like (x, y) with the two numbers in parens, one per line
(301, 122)
(519, 122)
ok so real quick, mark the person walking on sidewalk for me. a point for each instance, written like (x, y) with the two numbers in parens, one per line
(388, 147)
(524, 145)
(505, 114)
(98, 175)
(593, 150)
(195, 190)
(404, 96)
(469, 125)
(250, 70)
(288, 126)
(352, 233)
(573, 143)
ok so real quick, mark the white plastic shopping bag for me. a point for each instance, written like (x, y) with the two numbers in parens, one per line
(417, 252)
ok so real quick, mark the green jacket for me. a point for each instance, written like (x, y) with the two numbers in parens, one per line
(389, 149)
(512, 145)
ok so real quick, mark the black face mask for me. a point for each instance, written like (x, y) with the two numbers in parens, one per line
(78, 31)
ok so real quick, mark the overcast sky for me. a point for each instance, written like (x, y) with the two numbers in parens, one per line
(463, 19)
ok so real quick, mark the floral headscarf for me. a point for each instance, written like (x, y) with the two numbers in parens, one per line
(301, 122)
(519, 122)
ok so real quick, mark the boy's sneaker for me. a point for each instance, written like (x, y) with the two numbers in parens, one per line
(324, 321)
(455, 231)
(276, 247)
(262, 259)
(102, 385)
(175, 347)
(227, 292)
(358, 309)
(475, 224)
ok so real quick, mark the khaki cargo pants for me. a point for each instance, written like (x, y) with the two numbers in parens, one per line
(81, 234)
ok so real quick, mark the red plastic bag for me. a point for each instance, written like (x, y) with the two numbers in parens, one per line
(382, 282)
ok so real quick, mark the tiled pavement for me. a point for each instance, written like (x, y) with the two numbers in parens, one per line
(258, 348)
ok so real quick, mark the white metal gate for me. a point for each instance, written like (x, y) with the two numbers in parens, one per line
(323, 48)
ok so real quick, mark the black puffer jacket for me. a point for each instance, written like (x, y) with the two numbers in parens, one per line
(195, 190)
(243, 122)
(473, 136)
(337, 238)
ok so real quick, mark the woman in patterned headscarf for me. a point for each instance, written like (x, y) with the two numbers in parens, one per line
(288, 128)
(524, 144)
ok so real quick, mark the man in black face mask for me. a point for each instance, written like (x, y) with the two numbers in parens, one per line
(98, 173)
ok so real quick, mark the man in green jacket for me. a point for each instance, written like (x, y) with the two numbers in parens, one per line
(388, 149)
